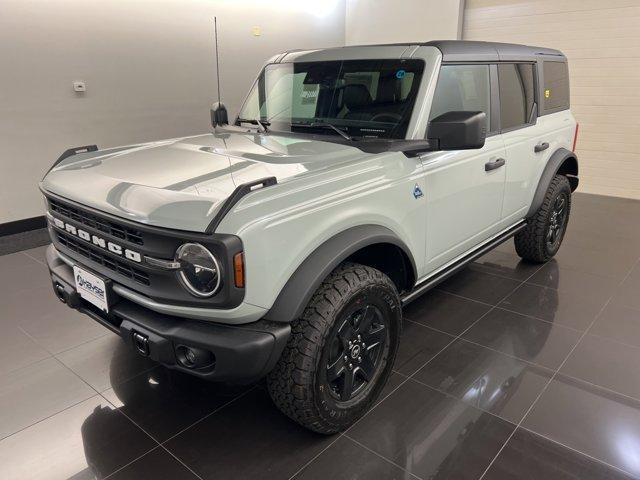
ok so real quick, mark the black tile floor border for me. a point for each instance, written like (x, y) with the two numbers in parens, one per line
(23, 241)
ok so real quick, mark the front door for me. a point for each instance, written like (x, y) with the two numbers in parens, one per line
(465, 188)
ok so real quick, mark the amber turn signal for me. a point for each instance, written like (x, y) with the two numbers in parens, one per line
(238, 269)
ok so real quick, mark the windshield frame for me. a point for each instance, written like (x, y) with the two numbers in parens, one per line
(418, 93)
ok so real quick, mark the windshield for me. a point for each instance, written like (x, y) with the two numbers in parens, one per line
(362, 98)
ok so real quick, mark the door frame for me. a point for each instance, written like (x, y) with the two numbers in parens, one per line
(494, 131)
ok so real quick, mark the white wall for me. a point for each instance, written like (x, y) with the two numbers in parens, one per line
(148, 66)
(392, 21)
(602, 43)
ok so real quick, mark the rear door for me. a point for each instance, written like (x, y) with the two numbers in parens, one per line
(464, 188)
(527, 149)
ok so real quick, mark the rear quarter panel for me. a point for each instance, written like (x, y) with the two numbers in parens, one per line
(558, 129)
(524, 166)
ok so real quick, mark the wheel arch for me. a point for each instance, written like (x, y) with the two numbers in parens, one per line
(562, 162)
(372, 245)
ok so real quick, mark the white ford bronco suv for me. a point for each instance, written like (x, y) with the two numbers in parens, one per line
(285, 245)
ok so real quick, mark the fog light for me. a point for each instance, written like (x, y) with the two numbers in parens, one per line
(194, 357)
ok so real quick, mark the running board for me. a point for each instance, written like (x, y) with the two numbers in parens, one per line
(459, 264)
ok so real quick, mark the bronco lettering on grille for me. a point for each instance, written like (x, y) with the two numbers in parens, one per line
(98, 241)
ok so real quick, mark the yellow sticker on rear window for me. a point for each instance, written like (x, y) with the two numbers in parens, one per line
(547, 93)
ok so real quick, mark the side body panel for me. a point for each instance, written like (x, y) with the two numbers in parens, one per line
(280, 226)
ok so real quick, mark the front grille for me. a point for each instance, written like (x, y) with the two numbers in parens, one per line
(99, 257)
(93, 221)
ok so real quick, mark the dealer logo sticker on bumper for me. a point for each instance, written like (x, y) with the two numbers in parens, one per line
(91, 288)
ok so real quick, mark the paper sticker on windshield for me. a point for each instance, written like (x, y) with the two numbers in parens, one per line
(400, 74)
(309, 94)
(547, 93)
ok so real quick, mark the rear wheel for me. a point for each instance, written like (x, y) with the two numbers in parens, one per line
(542, 237)
(340, 352)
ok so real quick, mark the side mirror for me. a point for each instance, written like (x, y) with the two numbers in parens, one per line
(458, 131)
(219, 115)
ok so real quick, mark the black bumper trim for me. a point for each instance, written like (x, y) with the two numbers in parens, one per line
(243, 353)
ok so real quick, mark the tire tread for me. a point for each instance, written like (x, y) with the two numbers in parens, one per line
(291, 382)
(530, 242)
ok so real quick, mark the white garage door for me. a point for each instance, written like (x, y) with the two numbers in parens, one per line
(602, 42)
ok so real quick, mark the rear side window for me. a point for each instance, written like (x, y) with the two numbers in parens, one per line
(556, 86)
(462, 87)
(517, 94)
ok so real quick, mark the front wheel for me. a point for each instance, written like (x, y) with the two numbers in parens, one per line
(340, 352)
(542, 237)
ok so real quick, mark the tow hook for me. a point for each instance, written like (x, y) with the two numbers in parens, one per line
(141, 343)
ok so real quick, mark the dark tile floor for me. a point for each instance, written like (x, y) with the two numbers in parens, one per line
(506, 371)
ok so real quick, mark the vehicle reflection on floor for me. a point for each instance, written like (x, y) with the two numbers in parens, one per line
(443, 434)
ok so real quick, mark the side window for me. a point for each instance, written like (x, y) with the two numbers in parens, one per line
(556, 86)
(517, 94)
(462, 87)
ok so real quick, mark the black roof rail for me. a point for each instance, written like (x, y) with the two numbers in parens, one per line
(235, 197)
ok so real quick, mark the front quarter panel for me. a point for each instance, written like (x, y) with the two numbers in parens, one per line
(281, 225)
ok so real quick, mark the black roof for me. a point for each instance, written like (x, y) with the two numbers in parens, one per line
(472, 51)
(469, 50)
(465, 50)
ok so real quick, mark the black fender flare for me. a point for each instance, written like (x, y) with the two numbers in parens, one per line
(295, 295)
(562, 161)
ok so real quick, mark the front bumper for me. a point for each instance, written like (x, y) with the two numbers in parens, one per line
(241, 353)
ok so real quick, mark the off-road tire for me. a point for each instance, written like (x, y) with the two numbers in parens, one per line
(295, 384)
(531, 243)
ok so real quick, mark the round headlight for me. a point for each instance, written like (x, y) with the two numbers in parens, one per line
(200, 270)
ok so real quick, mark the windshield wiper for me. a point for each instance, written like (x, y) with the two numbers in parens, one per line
(324, 125)
(262, 124)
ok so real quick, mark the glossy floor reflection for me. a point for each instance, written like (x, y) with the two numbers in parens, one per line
(506, 371)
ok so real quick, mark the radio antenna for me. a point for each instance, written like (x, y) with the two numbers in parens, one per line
(215, 27)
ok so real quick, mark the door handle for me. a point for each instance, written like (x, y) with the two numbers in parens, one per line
(541, 147)
(497, 163)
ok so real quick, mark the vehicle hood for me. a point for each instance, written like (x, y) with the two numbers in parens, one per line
(181, 183)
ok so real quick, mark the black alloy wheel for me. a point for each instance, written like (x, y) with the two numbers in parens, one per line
(540, 240)
(557, 222)
(341, 350)
(355, 352)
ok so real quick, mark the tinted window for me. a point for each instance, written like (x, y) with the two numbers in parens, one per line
(369, 98)
(556, 85)
(462, 87)
(517, 94)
